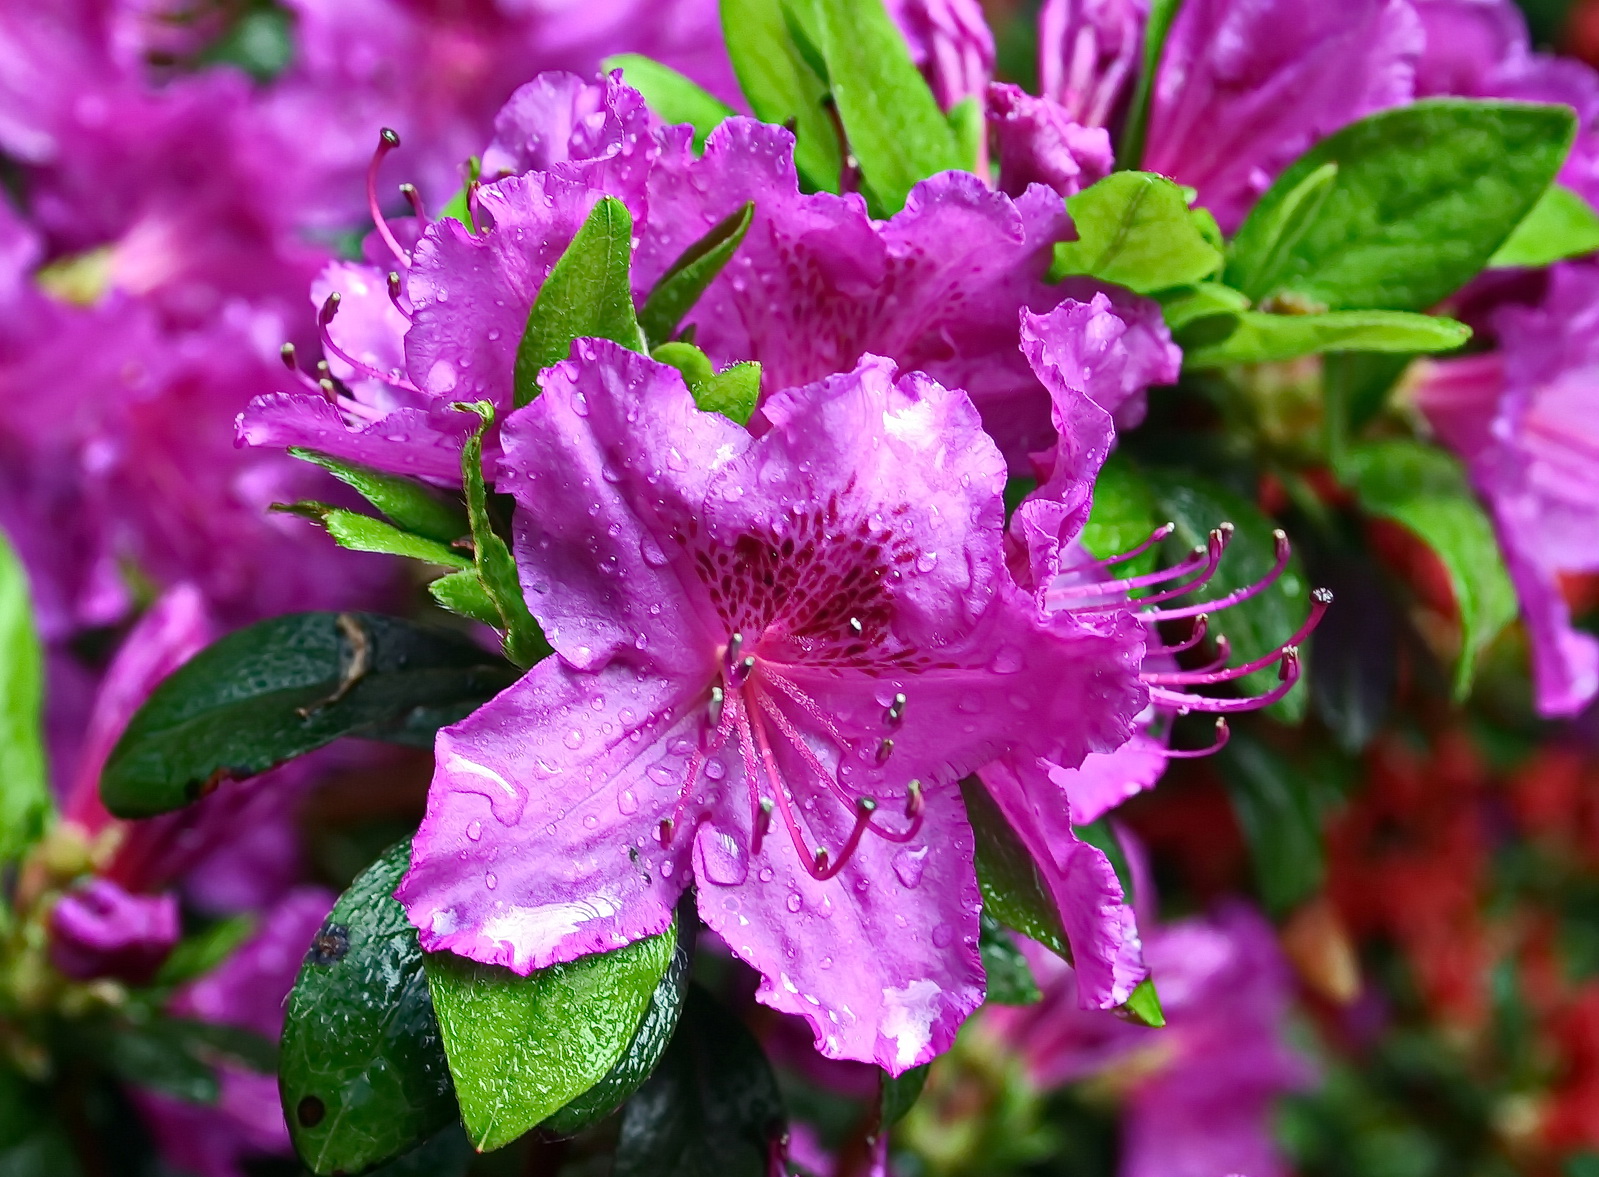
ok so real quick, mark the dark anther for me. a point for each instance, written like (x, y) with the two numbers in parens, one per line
(287, 354)
(389, 137)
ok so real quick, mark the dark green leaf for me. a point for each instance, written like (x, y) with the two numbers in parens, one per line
(1013, 892)
(1142, 1006)
(198, 954)
(524, 640)
(363, 533)
(782, 88)
(522, 1048)
(463, 593)
(412, 506)
(25, 803)
(1425, 490)
(363, 1075)
(1422, 196)
(898, 1094)
(220, 1042)
(670, 95)
(1561, 225)
(1259, 338)
(1356, 673)
(1130, 150)
(280, 689)
(588, 294)
(1123, 516)
(675, 294)
(1135, 229)
(1010, 980)
(160, 1057)
(712, 1108)
(896, 131)
(1189, 304)
(1356, 386)
(32, 1142)
(1281, 820)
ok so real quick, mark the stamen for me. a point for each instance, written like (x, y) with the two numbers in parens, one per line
(1215, 545)
(896, 711)
(1232, 598)
(394, 295)
(664, 833)
(1182, 702)
(773, 777)
(1320, 599)
(763, 823)
(291, 362)
(1197, 559)
(414, 198)
(1195, 636)
(715, 710)
(1223, 734)
(330, 308)
(864, 808)
(388, 140)
(884, 751)
(1155, 537)
(915, 806)
(329, 390)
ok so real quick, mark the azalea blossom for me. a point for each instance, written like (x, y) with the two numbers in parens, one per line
(777, 654)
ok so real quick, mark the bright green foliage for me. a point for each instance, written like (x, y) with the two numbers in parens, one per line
(1425, 490)
(731, 392)
(588, 293)
(966, 120)
(362, 1072)
(1123, 516)
(1258, 338)
(407, 503)
(1143, 1005)
(522, 1048)
(463, 593)
(670, 95)
(1013, 892)
(675, 294)
(1401, 209)
(25, 803)
(1130, 148)
(1135, 229)
(363, 533)
(1010, 980)
(1190, 304)
(1561, 225)
(459, 207)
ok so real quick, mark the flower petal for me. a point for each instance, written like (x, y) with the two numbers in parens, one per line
(406, 441)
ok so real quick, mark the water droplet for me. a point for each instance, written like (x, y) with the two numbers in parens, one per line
(943, 934)
(627, 802)
(666, 869)
(715, 769)
(926, 561)
(794, 902)
(766, 874)
(909, 864)
(826, 962)
(491, 881)
(651, 551)
(474, 830)
(1008, 660)
(573, 739)
(580, 404)
(590, 822)
(723, 860)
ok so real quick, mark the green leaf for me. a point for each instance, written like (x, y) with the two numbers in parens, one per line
(1123, 516)
(712, 1108)
(32, 1142)
(1281, 820)
(410, 505)
(363, 533)
(459, 207)
(641, 1055)
(1142, 1007)
(1130, 151)
(1010, 980)
(362, 1073)
(1134, 229)
(522, 1048)
(1260, 338)
(1422, 196)
(782, 88)
(1013, 892)
(896, 131)
(463, 593)
(1254, 626)
(731, 392)
(897, 1094)
(675, 294)
(496, 569)
(284, 687)
(25, 803)
(969, 126)
(1561, 225)
(588, 294)
(158, 1056)
(1425, 490)
(198, 954)
(670, 95)
(1189, 304)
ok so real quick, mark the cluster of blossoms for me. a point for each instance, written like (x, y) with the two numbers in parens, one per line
(789, 493)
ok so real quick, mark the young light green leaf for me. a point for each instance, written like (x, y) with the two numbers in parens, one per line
(1130, 150)
(782, 88)
(1422, 197)
(463, 593)
(966, 120)
(1425, 490)
(25, 803)
(1013, 892)
(362, 1071)
(1134, 229)
(1561, 225)
(363, 533)
(670, 95)
(896, 131)
(731, 392)
(496, 569)
(1142, 1006)
(588, 293)
(412, 506)
(1260, 338)
(675, 294)
(522, 1048)
(1189, 304)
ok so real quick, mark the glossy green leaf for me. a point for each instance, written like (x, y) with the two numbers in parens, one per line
(897, 1094)
(1013, 892)
(641, 1055)
(1010, 980)
(1189, 304)
(463, 593)
(1123, 516)
(1130, 148)
(522, 1048)
(25, 803)
(1281, 820)
(731, 392)
(588, 293)
(363, 533)
(895, 129)
(158, 1056)
(675, 294)
(1142, 1007)
(284, 687)
(362, 1073)
(782, 88)
(1260, 338)
(412, 507)
(1255, 626)
(1425, 490)
(1135, 229)
(524, 639)
(1422, 196)
(712, 1108)
(1561, 225)
(670, 95)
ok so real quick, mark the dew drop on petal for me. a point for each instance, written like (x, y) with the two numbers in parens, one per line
(491, 881)
(590, 822)
(573, 739)
(651, 551)
(766, 874)
(943, 935)
(794, 902)
(1007, 660)
(926, 561)
(909, 864)
(474, 830)
(627, 802)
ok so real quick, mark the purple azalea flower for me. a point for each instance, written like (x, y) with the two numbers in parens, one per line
(1039, 143)
(776, 656)
(1089, 55)
(1245, 86)
(1198, 1093)
(951, 43)
(1523, 419)
(99, 930)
